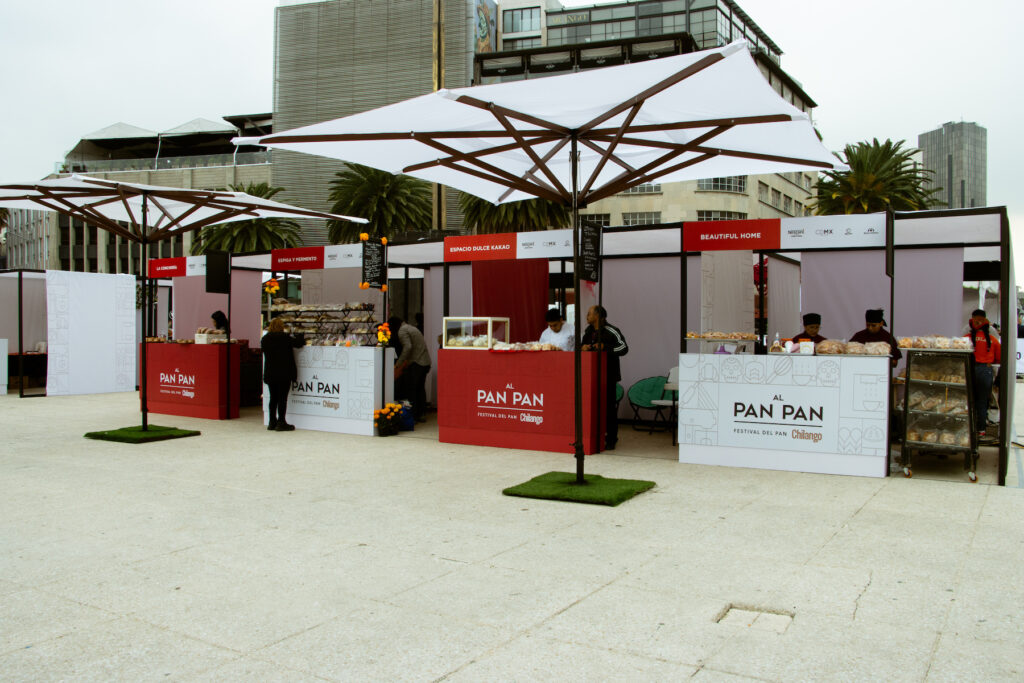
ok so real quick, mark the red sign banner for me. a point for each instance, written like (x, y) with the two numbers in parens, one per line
(167, 267)
(188, 380)
(753, 234)
(299, 258)
(480, 247)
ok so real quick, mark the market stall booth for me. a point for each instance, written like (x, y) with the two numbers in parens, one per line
(195, 371)
(343, 371)
(829, 409)
(497, 384)
(72, 332)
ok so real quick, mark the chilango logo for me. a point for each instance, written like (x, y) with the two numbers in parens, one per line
(178, 383)
(510, 404)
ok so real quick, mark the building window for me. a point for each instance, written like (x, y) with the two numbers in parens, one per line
(601, 219)
(736, 183)
(642, 218)
(776, 198)
(762, 192)
(519, 20)
(643, 188)
(798, 208)
(520, 43)
(787, 204)
(721, 216)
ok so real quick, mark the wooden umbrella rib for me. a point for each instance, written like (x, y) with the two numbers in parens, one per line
(600, 150)
(567, 198)
(662, 85)
(370, 137)
(512, 114)
(615, 187)
(704, 123)
(477, 153)
(538, 164)
(611, 147)
(510, 180)
(514, 184)
(764, 157)
(75, 210)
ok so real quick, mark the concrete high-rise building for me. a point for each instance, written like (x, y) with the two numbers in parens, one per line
(957, 155)
(342, 57)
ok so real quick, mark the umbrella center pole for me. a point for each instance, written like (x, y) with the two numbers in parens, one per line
(577, 352)
(145, 315)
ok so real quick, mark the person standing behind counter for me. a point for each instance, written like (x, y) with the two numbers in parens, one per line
(812, 324)
(987, 350)
(874, 318)
(279, 371)
(601, 336)
(412, 367)
(557, 332)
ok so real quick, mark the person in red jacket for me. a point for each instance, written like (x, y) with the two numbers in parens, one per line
(987, 351)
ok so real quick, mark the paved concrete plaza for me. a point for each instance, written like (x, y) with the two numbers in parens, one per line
(252, 555)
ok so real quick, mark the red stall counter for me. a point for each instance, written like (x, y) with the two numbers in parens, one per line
(516, 400)
(188, 379)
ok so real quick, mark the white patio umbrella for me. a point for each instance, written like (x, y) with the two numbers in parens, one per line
(577, 138)
(146, 214)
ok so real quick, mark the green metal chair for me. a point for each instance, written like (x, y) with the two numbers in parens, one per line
(641, 396)
(619, 393)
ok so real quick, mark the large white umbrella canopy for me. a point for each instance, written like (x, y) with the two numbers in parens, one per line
(118, 206)
(705, 114)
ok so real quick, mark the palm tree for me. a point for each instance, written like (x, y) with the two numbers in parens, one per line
(392, 203)
(523, 216)
(260, 234)
(881, 176)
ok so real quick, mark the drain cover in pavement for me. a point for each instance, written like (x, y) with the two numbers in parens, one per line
(776, 621)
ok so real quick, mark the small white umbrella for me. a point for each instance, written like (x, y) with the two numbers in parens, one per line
(146, 214)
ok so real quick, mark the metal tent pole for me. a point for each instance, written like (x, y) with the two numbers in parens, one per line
(145, 312)
(577, 352)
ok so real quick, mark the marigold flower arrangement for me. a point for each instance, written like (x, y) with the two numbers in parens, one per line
(387, 419)
(271, 286)
(383, 334)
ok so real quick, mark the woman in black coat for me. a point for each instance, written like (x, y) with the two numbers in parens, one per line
(279, 371)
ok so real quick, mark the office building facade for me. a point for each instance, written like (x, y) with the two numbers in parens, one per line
(957, 155)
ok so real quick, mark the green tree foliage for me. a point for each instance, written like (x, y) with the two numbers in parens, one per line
(881, 176)
(261, 234)
(392, 203)
(523, 216)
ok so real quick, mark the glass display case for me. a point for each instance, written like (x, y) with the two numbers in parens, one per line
(473, 333)
(938, 407)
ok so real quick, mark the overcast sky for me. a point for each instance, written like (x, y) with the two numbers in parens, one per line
(876, 68)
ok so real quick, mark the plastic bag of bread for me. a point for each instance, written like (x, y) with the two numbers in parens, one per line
(947, 438)
(905, 342)
(922, 343)
(913, 434)
(963, 438)
(856, 349)
(930, 435)
(943, 343)
(961, 343)
(877, 348)
(930, 403)
(830, 347)
(915, 398)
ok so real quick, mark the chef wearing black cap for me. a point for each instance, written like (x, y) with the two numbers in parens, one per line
(812, 324)
(874, 318)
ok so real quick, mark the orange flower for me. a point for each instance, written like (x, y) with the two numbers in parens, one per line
(383, 288)
(363, 236)
(384, 240)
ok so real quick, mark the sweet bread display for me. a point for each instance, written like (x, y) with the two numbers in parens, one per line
(348, 324)
(722, 336)
(935, 342)
(830, 347)
(877, 348)
(855, 349)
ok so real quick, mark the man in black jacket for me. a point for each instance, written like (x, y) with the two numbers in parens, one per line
(601, 336)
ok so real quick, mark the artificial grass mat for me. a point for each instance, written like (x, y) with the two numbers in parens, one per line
(134, 434)
(563, 486)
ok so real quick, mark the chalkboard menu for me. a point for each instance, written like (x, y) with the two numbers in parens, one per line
(375, 263)
(590, 253)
